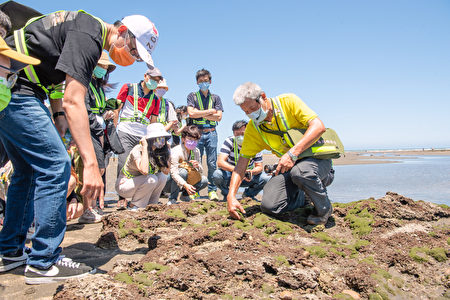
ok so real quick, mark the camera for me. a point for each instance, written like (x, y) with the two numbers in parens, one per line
(248, 175)
(269, 169)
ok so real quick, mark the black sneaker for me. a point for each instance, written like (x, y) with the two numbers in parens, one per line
(64, 268)
(12, 260)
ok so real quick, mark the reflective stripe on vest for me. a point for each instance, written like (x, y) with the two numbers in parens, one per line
(283, 120)
(128, 174)
(202, 121)
(162, 117)
(137, 115)
(278, 111)
(21, 46)
(100, 102)
(236, 155)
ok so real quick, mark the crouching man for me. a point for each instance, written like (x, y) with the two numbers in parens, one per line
(254, 179)
(295, 174)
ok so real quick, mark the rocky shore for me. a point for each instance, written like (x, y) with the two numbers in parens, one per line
(388, 248)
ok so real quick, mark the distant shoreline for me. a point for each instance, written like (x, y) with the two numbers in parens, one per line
(372, 156)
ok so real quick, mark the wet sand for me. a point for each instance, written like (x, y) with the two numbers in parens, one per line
(80, 239)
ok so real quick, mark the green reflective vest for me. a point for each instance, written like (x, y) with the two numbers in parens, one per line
(327, 146)
(100, 102)
(162, 116)
(55, 91)
(139, 117)
(203, 121)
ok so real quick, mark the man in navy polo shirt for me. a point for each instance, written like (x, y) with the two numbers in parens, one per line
(205, 110)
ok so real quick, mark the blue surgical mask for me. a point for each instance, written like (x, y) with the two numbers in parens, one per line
(99, 72)
(151, 84)
(258, 116)
(204, 86)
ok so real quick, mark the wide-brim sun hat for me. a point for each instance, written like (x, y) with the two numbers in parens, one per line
(155, 130)
(146, 36)
(162, 84)
(22, 58)
(104, 60)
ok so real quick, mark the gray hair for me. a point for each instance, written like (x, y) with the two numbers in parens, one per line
(248, 90)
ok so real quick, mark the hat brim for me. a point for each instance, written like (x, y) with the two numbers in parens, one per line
(28, 60)
(145, 56)
(111, 67)
(158, 134)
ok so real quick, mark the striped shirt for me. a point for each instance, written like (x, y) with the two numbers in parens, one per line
(228, 148)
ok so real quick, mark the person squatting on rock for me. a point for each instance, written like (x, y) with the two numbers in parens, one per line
(69, 43)
(144, 173)
(254, 179)
(185, 158)
(139, 108)
(205, 110)
(294, 176)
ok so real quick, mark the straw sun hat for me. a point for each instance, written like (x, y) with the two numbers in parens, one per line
(104, 60)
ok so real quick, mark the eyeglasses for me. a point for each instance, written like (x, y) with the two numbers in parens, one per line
(132, 48)
(11, 78)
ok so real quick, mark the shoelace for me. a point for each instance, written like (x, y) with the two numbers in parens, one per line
(67, 262)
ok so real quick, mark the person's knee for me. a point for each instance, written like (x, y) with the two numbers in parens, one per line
(183, 173)
(217, 177)
(268, 206)
(203, 183)
(300, 175)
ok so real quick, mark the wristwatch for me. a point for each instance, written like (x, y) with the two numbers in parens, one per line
(292, 156)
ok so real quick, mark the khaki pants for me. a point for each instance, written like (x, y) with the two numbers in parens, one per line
(142, 190)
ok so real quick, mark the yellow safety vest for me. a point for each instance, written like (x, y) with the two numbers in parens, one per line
(327, 146)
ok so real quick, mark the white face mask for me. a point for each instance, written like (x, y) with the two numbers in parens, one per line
(160, 92)
(258, 116)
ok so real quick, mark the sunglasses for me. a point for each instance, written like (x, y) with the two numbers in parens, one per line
(11, 78)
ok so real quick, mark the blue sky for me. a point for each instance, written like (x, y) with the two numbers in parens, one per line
(378, 72)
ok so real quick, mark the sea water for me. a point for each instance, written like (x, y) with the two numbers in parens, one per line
(418, 177)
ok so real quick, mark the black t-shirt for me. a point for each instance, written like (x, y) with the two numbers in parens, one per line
(66, 42)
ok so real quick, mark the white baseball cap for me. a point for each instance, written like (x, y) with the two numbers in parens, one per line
(146, 36)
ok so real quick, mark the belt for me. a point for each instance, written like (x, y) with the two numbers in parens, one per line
(208, 129)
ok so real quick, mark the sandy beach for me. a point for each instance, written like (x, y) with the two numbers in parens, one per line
(80, 240)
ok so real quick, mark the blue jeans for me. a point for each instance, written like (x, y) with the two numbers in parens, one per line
(222, 179)
(208, 143)
(173, 188)
(39, 182)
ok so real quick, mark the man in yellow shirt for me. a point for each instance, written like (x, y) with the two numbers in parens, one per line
(294, 177)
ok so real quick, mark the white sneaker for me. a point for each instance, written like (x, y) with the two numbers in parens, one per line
(90, 216)
(64, 268)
